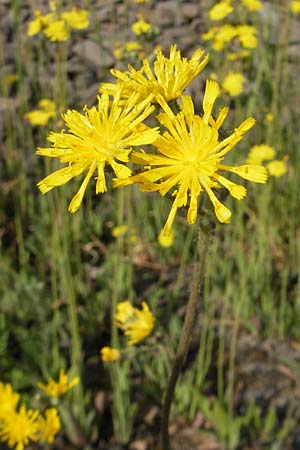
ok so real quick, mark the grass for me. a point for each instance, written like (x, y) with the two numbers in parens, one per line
(62, 275)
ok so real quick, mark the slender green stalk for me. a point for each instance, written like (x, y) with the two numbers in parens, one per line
(184, 340)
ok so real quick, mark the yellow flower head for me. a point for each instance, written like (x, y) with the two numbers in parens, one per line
(246, 34)
(76, 18)
(168, 79)
(260, 153)
(58, 388)
(109, 354)
(295, 6)
(97, 138)
(277, 168)
(137, 324)
(141, 26)
(36, 25)
(57, 30)
(237, 55)
(48, 426)
(132, 46)
(252, 5)
(8, 401)
(19, 428)
(269, 117)
(42, 115)
(220, 10)
(190, 158)
(233, 83)
(120, 230)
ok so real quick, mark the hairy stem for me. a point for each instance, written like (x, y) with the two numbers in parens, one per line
(185, 337)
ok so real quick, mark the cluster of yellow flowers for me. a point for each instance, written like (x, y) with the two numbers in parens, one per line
(225, 7)
(57, 25)
(236, 40)
(189, 153)
(221, 36)
(136, 323)
(258, 154)
(19, 426)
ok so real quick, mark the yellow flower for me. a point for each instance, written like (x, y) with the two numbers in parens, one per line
(260, 153)
(48, 426)
(233, 83)
(42, 115)
(252, 5)
(168, 79)
(58, 388)
(132, 46)
(19, 428)
(76, 18)
(246, 34)
(269, 117)
(166, 240)
(109, 354)
(36, 25)
(220, 36)
(220, 10)
(98, 138)
(8, 401)
(277, 168)
(295, 6)
(210, 34)
(57, 30)
(141, 1)
(137, 324)
(238, 55)
(140, 26)
(190, 158)
(119, 230)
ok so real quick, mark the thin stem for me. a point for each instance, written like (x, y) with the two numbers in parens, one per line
(184, 340)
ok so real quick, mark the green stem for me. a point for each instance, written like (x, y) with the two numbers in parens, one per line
(184, 340)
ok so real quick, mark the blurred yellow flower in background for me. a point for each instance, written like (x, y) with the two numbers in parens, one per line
(36, 25)
(57, 30)
(58, 388)
(246, 34)
(140, 26)
(132, 46)
(55, 26)
(110, 354)
(252, 5)
(48, 426)
(295, 6)
(19, 428)
(76, 18)
(260, 153)
(137, 324)
(8, 400)
(269, 117)
(277, 168)
(233, 83)
(120, 230)
(168, 79)
(42, 115)
(98, 138)
(220, 10)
